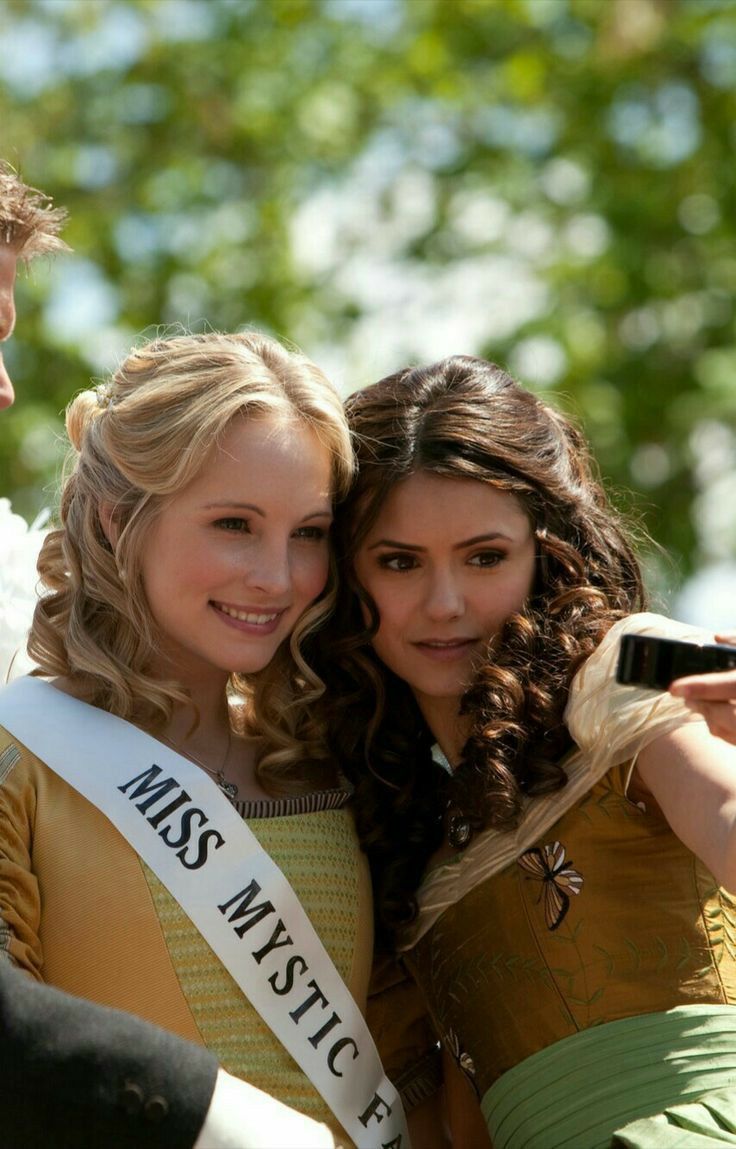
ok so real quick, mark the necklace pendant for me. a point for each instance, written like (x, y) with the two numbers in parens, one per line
(229, 789)
(459, 830)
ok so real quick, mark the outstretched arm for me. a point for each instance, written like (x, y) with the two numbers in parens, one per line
(77, 1076)
(692, 777)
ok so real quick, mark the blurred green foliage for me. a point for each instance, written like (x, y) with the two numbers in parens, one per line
(362, 175)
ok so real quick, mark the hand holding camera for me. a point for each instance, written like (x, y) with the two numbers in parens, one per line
(713, 696)
(704, 676)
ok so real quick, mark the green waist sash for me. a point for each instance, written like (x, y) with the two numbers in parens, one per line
(578, 1092)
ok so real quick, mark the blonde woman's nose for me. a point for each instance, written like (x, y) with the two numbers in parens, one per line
(270, 570)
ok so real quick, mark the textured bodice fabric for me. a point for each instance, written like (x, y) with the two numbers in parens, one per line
(507, 974)
(585, 914)
(81, 911)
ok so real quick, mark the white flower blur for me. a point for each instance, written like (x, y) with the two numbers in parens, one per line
(19, 547)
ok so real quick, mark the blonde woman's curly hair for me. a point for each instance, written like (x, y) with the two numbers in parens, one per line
(136, 441)
(28, 221)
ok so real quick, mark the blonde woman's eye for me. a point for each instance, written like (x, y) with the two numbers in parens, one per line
(233, 524)
(311, 534)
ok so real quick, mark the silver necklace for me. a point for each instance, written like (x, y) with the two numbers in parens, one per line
(229, 789)
(458, 829)
(456, 824)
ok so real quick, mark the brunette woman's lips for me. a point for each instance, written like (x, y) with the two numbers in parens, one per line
(249, 620)
(451, 650)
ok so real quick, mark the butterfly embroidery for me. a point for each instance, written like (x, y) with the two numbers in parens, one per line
(558, 880)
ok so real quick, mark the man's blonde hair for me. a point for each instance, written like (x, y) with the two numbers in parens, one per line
(29, 222)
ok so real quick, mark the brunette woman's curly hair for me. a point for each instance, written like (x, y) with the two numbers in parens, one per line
(466, 418)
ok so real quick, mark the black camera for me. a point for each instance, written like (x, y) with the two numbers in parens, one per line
(656, 662)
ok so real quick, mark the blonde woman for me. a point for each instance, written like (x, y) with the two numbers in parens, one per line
(79, 1056)
(191, 565)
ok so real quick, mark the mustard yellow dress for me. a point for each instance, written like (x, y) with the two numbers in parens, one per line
(81, 911)
(582, 969)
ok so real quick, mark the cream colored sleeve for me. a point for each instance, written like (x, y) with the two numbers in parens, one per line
(612, 723)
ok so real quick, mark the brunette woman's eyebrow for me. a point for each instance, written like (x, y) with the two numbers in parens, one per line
(399, 546)
(489, 538)
(394, 545)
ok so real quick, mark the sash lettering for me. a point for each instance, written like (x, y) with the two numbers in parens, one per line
(185, 828)
(187, 832)
(242, 906)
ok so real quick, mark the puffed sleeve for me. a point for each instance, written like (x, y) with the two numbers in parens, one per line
(612, 723)
(20, 906)
(406, 1042)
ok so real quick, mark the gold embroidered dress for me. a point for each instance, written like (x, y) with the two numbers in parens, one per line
(582, 968)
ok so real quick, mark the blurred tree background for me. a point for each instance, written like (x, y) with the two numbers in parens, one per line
(548, 183)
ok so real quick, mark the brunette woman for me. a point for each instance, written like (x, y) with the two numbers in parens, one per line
(554, 854)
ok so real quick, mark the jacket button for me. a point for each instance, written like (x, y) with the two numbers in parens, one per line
(156, 1109)
(131, 1097)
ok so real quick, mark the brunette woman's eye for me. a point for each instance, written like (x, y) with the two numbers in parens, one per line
(487, 558)
(397, 562)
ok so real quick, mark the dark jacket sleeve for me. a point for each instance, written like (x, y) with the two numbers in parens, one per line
(74, 1075)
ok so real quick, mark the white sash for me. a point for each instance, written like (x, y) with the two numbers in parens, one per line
(188, 833)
